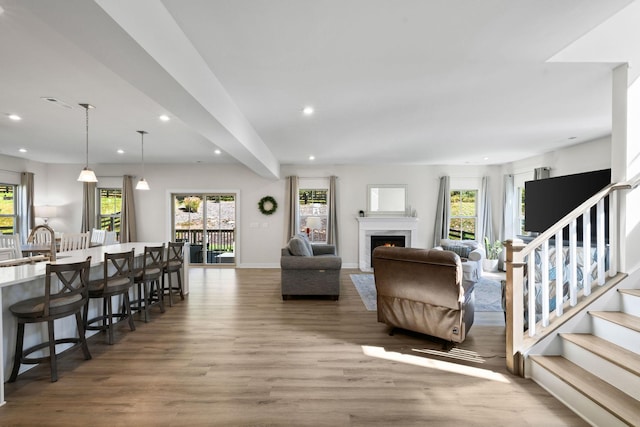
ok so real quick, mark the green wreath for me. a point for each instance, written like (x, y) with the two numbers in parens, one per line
(267, 200)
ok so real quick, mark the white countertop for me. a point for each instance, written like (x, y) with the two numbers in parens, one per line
(23, 273)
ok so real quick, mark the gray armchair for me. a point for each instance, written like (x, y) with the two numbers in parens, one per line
(309, 270)
(471, 253)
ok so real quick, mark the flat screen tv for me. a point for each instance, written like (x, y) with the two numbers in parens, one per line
(548, 200)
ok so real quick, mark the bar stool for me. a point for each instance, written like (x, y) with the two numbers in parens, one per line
(147, 280)
(173, 264)
(118, 282)
(66, 288)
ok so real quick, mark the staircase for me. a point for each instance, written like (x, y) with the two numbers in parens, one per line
(597, 374)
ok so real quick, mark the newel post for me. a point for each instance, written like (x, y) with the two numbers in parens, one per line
(514, 305)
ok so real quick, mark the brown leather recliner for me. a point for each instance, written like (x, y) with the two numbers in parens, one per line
(421, 290)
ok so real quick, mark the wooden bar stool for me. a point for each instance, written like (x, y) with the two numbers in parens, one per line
(174, 263)
(116, 280)
(147, 280)
(66, 290)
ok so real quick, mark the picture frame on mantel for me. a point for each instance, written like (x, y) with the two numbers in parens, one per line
(387, 200)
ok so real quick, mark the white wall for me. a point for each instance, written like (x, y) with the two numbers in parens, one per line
(585, 157)
(260, 237)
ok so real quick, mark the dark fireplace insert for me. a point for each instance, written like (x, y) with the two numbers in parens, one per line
(379, 240)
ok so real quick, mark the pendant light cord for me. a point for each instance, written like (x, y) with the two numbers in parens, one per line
(142, 132)
(86, 110)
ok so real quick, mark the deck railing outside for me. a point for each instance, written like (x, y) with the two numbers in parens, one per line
(216, 239)
(558, 269)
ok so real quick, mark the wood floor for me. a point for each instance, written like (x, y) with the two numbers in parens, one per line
(234, 354)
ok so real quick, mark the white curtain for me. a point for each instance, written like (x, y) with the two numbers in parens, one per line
(292, 226)
(332, 220)
(443, 214)
(486, 227)
(509, 205)
(26, 211)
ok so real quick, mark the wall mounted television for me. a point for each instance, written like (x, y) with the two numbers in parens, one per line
(548, 200)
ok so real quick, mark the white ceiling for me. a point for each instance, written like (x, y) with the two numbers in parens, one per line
(406, 82)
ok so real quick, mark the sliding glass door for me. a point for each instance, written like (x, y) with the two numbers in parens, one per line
(208, 222)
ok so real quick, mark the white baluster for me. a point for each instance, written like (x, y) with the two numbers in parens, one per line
(586, 252)
(559, 273)
(573, 264)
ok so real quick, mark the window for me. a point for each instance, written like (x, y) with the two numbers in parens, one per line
(109, 208)
(520, 195)
(8, 209)
(464, 216)
(313, 213)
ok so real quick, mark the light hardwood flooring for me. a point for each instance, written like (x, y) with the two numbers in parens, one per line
(234, 354)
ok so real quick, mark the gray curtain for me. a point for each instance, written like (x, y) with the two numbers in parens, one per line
(88, 206)
(332, 222)
(26, 211)
(441, 230)
(128, 231)
(507, 228)
(292, 226)
(486, 227)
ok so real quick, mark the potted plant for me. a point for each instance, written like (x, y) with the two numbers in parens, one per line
(490, 263)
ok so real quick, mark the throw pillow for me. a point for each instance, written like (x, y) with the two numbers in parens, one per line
(297, 247)
(307, 243)
(462, 251)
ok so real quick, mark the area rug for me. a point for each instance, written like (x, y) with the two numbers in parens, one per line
(487, 290)
(366, 287)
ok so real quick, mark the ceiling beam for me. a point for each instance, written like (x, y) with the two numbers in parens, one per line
(141, 42)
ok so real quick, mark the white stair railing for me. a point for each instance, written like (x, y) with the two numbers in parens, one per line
(539, 293)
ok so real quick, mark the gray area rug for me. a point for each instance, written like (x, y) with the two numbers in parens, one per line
(488, 292)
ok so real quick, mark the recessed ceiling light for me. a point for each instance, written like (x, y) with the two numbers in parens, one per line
(308, 110)
(312, 157)
(14, 117)
(218, 152)
(23, 150)
(485, 158)
(120, 151)
(164, 118)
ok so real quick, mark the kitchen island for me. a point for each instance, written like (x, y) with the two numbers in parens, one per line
(21, 282)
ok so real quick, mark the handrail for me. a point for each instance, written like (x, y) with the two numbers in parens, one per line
(520, 257)
(574, 214)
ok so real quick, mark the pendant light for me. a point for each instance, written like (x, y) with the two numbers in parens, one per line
(142, 184)
(86, 174)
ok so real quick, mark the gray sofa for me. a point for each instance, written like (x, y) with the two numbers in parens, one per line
(422, 290)
(309, 270)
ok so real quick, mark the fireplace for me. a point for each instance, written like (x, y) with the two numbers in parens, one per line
(381, 240)
(389, 227)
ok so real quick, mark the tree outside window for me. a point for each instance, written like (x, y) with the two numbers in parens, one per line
(313, 213)
(521, 210)
(7, 209)
(110, 209)
(464, 216)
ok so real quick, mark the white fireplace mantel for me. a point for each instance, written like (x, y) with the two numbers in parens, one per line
(389, 226)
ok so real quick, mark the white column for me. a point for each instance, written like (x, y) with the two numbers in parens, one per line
(625, 161)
